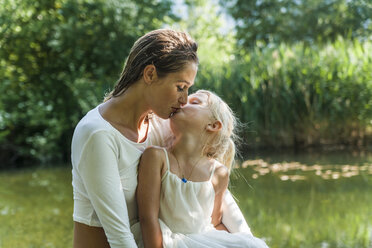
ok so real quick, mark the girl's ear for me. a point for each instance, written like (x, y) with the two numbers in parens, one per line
(214, 127)
(149, 74)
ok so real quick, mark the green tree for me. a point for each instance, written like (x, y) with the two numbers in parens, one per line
(204, 21)
(57, 59)
(275, 21)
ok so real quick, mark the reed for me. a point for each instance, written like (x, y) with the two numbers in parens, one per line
(299, 95)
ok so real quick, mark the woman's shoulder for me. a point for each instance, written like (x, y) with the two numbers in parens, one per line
(90, 126)
(93, 120)
(91, 123)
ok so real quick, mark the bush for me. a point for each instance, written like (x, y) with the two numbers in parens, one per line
(57, 60)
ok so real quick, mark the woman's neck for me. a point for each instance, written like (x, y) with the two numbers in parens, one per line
(127, 113)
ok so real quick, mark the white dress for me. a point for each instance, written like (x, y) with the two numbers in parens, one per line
(185, 217)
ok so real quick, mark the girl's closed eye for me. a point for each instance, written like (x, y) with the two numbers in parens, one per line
(194, 101)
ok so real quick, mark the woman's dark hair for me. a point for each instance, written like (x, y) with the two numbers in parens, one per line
(168, 50)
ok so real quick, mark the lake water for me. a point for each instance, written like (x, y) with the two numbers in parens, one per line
(317, 199)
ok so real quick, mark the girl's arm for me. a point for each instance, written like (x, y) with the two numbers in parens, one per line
(148, 196)
(220, 182)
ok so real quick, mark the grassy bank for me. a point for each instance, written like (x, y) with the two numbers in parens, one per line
(36, 208)
(290, 203)
(289, 210)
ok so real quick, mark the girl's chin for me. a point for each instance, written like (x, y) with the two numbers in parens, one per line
(174, 119)
(173, 114)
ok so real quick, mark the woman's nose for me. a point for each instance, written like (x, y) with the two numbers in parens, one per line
(183, 99)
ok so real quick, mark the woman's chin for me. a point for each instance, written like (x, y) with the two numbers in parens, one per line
(163, 115)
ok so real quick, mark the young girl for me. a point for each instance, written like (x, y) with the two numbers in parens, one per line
(180, 190)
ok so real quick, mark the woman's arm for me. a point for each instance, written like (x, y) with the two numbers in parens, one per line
(99, 172)
(148, 196)
(232, 217)
(226, 213)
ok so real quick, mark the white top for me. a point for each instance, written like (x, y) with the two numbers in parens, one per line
(186, 207)
(185, 211)
(104, 178)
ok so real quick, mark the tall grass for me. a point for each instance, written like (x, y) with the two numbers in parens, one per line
(299, 95)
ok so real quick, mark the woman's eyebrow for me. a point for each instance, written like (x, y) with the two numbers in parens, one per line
(184, 81)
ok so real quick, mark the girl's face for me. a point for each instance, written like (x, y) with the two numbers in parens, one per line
(195, 115)
(169, 93)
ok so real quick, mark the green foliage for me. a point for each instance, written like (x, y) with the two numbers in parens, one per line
(57, 58)
(300, 95)
(216, 42)
(276, 21)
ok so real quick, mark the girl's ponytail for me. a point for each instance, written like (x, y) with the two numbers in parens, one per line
(228, 157)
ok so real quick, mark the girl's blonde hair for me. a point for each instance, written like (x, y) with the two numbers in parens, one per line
(221, 146)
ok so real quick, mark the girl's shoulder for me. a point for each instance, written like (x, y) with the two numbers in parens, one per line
(155, 152)
(153, 156)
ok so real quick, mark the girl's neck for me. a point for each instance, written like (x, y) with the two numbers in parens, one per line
(188, 147)
(192, 165)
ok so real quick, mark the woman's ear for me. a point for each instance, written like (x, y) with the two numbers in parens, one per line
(149, 74)
(214, 127)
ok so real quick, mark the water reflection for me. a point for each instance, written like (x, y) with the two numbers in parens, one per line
(295, 171)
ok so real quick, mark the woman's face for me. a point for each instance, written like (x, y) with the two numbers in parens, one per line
(169, 93)
(195, 115)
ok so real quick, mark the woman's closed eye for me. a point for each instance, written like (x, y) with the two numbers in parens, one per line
(180, 88)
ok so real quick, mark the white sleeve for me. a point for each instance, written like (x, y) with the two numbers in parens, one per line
(100, 174)
(161, 133)
(232, 217)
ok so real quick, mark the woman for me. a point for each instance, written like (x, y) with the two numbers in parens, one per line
(109, 140)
